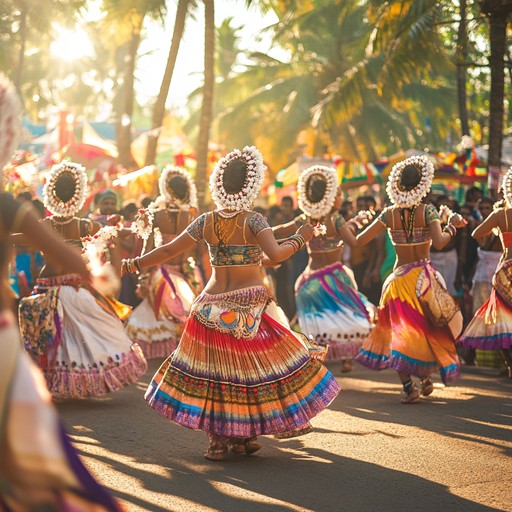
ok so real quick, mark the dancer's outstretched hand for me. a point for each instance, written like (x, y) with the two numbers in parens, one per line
(307, 231)
(457, 220)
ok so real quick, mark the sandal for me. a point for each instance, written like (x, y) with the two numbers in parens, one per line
(427, 386)
(412, 397)
(294, 433)
(216, 451)
(346, 366)
(245, 446)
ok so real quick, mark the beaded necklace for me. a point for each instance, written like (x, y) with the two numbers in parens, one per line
(224, 228)
(408, 226)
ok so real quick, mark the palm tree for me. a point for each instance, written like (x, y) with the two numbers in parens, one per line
(127, 18)
(207, 105)
(159, 107)
(461, 60)
(365, 77)
(498, 13)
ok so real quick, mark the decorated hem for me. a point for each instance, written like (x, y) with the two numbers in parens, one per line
(495, 342)
(402, 363)
(79, 382)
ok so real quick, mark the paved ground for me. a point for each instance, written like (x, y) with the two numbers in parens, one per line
(369, 453)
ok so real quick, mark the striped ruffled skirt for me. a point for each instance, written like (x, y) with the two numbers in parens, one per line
(332, 311)
(403, 338)
(239, 371)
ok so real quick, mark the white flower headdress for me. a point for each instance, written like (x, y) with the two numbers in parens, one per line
(167, 173)
(9, 122)
(324, 206)
(409, 198)
(69, 208)
(506, 187)
(244, 199)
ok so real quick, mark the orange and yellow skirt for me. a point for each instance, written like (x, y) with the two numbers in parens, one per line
(403, 338)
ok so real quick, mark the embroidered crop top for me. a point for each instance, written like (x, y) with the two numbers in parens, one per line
(232, 255)
(420, 235)
(328, 243)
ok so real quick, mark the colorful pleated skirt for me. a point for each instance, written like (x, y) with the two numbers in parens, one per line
(39, 469)
(491, 327)
(157, 322)
(239, 371)
(403, 338)
(330, 310)
(78, 339)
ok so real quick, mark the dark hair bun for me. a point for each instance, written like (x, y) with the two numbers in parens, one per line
(410, 177)
(315, 189)
(65, 187)
(235, 176)
(178, 186)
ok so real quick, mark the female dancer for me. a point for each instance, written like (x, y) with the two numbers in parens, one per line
(491, 327)
(329, 308)
(404, 339)
(238, 371)
(72, 332)
(39, 469)
(157, 323)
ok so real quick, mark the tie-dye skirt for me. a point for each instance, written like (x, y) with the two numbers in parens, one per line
(403, 338)
(332, 311)
(239, 371)
(157, 322)
(39, 469)
(78, 339)
(491, 327)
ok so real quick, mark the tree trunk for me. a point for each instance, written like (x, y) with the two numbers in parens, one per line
(461, 59)
(23, 43)
(159, 107)
(206, 109)
(124, 121)
(498, 40)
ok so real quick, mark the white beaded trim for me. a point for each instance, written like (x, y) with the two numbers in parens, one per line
(506, 187)
(321, 208)
(70, 208)
(244, 199)
(410, 198)
(172, 170)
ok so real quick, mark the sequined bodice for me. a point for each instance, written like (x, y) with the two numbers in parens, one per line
(419, 236)
(233, 255)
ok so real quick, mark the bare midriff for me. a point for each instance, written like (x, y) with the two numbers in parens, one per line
(409, 253)
(227, 279)
(318, 260)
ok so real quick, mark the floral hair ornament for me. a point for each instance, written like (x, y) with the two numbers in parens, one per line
(244, 199)
(9, 122)
(167, 173)
(71, 207)
(506, 187)
(409, 198)
(324, 206)
(104, 277)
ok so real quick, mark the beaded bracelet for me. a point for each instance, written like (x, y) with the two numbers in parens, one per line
(450, 229)
(296, 241)
(132, 267)
(136, 262)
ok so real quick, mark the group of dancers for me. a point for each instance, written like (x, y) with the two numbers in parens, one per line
(234, 368)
